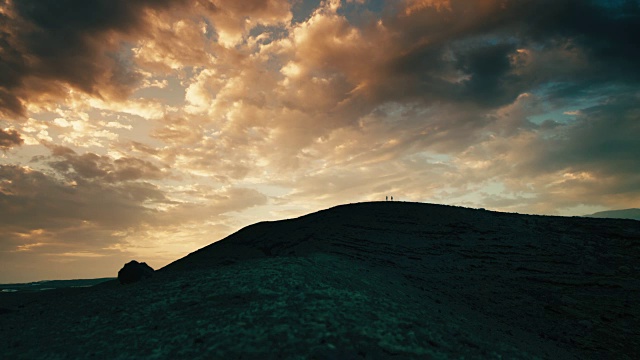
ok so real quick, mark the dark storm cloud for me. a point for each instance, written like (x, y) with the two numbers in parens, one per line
(490, 83)
(603, 140)
(606, 29)
(466, 51)
(9, 138)
(104, 168)
(591, 160)
(69, 41)
(33, 200)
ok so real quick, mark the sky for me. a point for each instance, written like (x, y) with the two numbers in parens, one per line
(148, 129)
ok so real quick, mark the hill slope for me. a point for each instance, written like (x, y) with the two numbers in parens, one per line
(633, 214)
(370, 280)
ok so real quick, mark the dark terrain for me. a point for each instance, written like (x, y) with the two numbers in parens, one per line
(362, 281)
(50, 285)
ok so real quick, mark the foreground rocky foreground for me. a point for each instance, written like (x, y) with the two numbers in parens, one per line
(361, 281)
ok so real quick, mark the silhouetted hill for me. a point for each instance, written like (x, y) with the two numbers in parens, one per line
(618, 214)
(364, 281)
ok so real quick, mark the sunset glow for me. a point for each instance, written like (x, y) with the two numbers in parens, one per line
(148, 129)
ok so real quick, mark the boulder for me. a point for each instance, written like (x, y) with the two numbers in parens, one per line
(134, 271)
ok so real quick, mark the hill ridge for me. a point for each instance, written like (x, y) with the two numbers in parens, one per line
(368, 280)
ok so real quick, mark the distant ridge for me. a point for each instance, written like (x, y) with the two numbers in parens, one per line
(51, 284)
(633, 214)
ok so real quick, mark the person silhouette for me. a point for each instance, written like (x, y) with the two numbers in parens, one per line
(386, 198)
(392, 198)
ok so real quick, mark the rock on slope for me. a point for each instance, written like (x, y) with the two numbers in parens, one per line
(369, 280)
(134, 271)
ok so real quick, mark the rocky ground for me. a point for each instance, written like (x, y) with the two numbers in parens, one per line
(362, 281)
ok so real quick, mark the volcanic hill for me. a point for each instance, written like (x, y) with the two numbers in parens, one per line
(361, 281)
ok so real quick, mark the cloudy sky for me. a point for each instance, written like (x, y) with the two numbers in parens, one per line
(147, 129)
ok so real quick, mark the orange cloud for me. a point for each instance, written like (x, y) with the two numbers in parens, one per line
(233, 19)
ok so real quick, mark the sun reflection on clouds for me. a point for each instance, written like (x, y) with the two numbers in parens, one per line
(178, 122)
(28, 247)
(413, 6)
